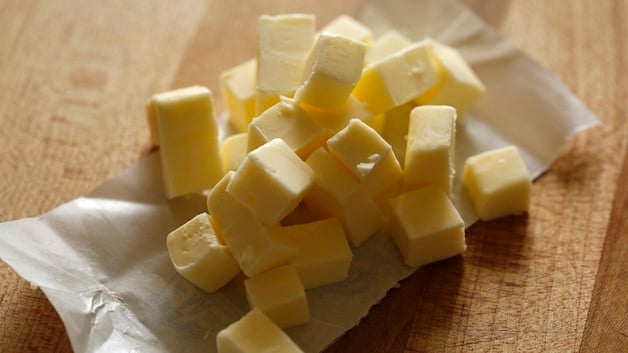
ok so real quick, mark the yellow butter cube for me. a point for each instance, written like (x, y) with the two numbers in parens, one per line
(399, 78)
(426, 226)
(459, 86)
(336, 120)
(349, 27)
(394, 130)
(271, 181)
(336, 66)
(323, 253)
(336, 193)
(389, 43)
(239, 92)
(285, 42)
(253, 247)
(199, 257)
(430, 148)
(498, 182)
(288, 121)
(188, 139)
(280, 295)
(255, 333)
(233, 151)
(367, 156)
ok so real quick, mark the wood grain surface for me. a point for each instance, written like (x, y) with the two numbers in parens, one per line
(74, 76)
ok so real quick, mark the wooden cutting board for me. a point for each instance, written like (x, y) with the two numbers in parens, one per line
(74, 77)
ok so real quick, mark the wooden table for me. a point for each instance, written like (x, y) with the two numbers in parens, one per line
(73, 80)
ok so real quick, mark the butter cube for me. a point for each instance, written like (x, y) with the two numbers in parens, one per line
(336, 193)
(426, 226)
(233, 151)
(498, 182)
(399, 78)
(255, 333)
(289, 122)
(459, 86)
(285, 42)
(349, 27)
(430, 148)
(188, 139)
(323, 254)
(394, 130)
(389, 43)
(336, 120)
(253, 247)
(239, 92)
(279, 294)
(367, 156)
(271, 181)
(336, 66)
(199, 257)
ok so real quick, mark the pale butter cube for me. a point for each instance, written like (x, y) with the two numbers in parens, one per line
(336, 120)
(239, 92)
(233, 151)
(336, 66)
(426, 226)
(498, 182)
(399, 78)
(253, 247)
(323, 253)
(255, 333)
(430, 148)
(198, 256)
(367, 156)
(459, 86)
(350, 27)
(188, 139)
(280, 295)
(285, 42)
(387, 44)
(271, 181)
(394, 130)
(288, 121)
(336, 193)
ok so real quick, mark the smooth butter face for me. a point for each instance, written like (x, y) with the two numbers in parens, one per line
(254, 333)
(239, 91)
(284, 44)
(253, 247)
(430, 148)
(426, 226)
(188, 140)
(336, 193)
(280, 295)
(388, 44)
(394, 130)
(199, 257)
(233, 151)
(349, 27)
(323, 253)
(498, 182)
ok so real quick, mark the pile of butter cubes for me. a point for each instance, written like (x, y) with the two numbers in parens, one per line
(340, 136)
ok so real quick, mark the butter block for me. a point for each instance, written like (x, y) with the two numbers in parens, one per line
(280, 295)
(288, 121)
(430, 148)
(255, 333)
(394, 130)
(399, 78)
(253, 247)
(367, 156)
(336, 193)
(271, 181)
(239, 92)
(336, 66)
(349, 27)
(198, 256)
(233, 150)
(336, 120)
(188, 139)
(498, 182)
(426, 226)
(387, 44)
(459, 86)
(323, 253)
(285, 42)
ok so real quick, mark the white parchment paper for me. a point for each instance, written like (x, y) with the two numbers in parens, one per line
(102, 260)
